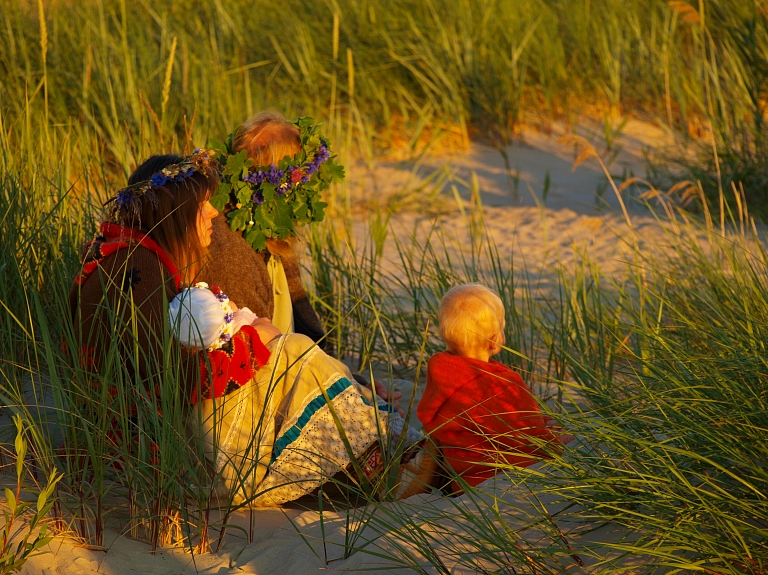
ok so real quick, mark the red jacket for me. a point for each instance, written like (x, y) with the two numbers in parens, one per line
(481, 412)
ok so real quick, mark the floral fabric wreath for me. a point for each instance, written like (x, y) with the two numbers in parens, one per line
(271, 201)
(128, 201)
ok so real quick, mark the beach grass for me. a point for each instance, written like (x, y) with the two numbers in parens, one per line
(659, 372)
(402, 77)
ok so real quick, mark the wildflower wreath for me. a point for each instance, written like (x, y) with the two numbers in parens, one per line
(127, 203)
(271, 201)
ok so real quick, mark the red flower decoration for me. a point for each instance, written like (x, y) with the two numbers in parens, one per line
(238, 365)
(296, 176)
(215, 289)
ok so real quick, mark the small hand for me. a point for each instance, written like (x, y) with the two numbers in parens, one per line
(550, 422)
(233, 306)
(383, 392)
(565, 438)
(266, 330)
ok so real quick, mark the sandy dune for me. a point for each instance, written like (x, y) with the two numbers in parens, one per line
(580, 214)
(523, 225)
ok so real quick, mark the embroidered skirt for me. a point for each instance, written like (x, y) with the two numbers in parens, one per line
(278, 437)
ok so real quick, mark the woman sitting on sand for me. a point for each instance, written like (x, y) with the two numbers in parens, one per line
(276, 416)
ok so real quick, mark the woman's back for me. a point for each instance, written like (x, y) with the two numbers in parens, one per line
(123, 294)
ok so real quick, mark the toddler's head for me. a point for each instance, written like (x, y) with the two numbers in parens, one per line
(471, 320)
(267, 138)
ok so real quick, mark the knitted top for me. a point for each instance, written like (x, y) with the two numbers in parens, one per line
(123, 291)
(481, 413)
(242, 274)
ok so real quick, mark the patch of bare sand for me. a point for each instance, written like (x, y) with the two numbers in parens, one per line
(537, 207)
(545, 525)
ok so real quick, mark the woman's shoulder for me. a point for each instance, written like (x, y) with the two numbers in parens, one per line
(231, 254)
(238, 269)
(133, 266)
(224, 238)
(134, 254)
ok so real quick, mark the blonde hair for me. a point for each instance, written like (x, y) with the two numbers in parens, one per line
(469, 315)
(268, 137)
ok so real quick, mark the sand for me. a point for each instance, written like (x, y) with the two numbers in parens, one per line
(278, 548)
(580, 214)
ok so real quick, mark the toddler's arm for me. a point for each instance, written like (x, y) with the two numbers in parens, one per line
(266, 330)
(557, 429)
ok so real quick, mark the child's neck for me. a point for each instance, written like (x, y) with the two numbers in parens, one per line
(482, 354)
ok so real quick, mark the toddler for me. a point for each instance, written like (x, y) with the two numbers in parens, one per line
(479, 411)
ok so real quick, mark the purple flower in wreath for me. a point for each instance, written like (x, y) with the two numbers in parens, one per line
(283, 188)
(323, 152)
(228, 317)
(258, 198)
(274, 176)
(255, 177)
(321, 156)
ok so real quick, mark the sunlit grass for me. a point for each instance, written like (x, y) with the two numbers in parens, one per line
(659, 370)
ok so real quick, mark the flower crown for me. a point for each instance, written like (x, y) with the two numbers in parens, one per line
(271, 201)
(128, 201)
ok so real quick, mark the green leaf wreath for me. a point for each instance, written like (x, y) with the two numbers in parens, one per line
(272, 201)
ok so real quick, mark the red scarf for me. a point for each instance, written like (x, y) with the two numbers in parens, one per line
(115, 237)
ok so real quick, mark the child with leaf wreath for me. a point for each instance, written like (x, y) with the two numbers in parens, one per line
(477, 410)
(274, 171)
(263, 275)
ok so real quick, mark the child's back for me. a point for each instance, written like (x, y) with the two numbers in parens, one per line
(479, 411)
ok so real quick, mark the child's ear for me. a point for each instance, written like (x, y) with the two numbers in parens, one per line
(493, 341)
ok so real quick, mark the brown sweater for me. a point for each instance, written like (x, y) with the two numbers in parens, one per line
(124, 298)
(122, 295)
(241, 273)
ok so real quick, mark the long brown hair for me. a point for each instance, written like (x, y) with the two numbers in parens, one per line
(268, 137)
(172, 220)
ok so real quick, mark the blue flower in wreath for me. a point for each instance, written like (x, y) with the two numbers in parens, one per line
(158, 180)
(123, 197)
